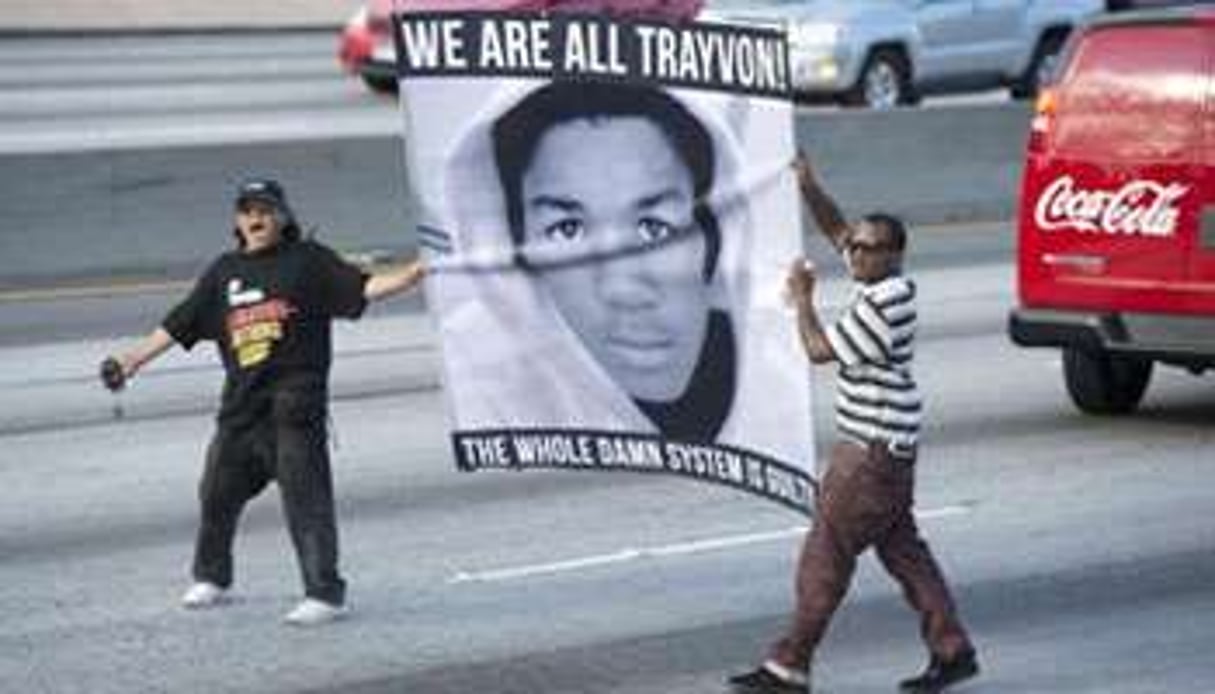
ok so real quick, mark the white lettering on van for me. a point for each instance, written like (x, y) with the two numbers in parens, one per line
(1140, 207)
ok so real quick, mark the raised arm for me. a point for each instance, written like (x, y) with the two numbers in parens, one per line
(389, 282)
(826, 213)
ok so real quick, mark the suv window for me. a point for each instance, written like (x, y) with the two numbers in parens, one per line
(1128, 95)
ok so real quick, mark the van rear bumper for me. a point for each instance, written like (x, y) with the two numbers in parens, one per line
(1183, 340)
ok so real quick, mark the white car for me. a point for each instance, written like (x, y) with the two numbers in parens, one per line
(885, 53)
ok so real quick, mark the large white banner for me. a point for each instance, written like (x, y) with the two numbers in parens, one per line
(608, 212)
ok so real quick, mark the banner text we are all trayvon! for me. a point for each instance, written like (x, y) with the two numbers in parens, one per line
(703, 55)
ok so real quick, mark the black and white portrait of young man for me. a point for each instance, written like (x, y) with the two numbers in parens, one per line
(600, 265)
(607, 191)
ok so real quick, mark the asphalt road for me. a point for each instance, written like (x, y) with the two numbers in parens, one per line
(1080, 548)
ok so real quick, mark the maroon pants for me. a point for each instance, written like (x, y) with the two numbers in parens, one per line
(864, 501)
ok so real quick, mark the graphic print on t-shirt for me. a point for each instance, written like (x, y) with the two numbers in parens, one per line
(254, 323)
(239, 296)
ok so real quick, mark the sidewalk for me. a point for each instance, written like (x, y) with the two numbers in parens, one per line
(70, 16)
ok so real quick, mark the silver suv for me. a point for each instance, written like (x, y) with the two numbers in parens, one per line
(885, 53)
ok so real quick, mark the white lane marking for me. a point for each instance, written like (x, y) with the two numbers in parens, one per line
(946, 511)
(659, 551)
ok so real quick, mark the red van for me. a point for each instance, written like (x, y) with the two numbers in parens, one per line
(1116, 247)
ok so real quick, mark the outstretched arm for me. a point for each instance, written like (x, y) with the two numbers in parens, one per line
(822, 207)
(389, 282)
(131, 361)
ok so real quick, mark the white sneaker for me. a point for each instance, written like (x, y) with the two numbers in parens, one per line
(312, 612)
(202, 595)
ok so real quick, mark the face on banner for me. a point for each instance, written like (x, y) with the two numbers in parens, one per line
(607, 202)
(594, 256)
(643, 314)
(605, 194)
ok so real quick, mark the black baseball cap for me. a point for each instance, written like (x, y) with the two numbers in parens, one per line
(269, 192)
(263, 190)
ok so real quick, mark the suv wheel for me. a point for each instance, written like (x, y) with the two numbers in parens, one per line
(884, 82)
(1101, 383)
(1040, 67)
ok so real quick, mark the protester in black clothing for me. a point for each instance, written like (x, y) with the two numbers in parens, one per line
(268, 306)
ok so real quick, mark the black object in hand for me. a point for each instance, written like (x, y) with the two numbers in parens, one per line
(111, 374)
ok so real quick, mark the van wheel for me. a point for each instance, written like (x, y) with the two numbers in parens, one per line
(1101, 383)
(1041, 65)
(884, 82)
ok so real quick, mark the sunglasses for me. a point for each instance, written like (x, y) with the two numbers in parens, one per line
(868, 247)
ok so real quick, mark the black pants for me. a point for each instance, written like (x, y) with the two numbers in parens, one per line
(288, 444)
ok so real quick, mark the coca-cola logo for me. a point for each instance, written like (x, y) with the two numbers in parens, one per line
(1138, 208)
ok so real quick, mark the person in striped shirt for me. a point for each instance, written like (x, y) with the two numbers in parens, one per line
(865, 497)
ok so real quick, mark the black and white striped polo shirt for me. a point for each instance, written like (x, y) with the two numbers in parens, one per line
(876, 395)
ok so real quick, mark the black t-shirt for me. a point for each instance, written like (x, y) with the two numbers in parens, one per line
(269, 314)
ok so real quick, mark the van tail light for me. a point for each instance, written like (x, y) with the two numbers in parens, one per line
(1044, 118)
